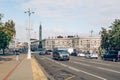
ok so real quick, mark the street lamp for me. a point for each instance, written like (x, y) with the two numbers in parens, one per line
(29, 49)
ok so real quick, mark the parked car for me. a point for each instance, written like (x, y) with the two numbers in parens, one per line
(91, 55)
(87, 55)
(48, 52)
(81, 54)
(111, 55)
(42, 52)
(74, 53)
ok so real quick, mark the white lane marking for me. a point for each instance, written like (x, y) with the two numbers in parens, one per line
(81, 63)
(108, 69)
(75, 69)
(94, 62)
(93, 75)
(101, 63)
(97, 67)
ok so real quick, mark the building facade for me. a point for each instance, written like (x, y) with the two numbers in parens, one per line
(78, 43)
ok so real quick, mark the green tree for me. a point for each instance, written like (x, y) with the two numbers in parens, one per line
(7, 32)
(110, 39)
(104, 39)
(115, 34)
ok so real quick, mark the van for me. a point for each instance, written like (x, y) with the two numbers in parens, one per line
(60, 54)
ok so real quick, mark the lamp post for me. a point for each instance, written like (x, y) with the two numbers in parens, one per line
(91, 43)
(29, 43)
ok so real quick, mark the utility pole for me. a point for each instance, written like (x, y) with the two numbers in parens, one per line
(29, 28)
(91, 44)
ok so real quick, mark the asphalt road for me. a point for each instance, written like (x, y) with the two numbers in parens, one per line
(78, 68)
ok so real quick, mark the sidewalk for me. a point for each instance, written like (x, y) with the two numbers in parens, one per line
(24, 69)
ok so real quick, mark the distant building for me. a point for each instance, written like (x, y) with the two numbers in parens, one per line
(34, 44)
(78, 43)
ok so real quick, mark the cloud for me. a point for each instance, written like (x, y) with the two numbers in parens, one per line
(61, 8)
(69, 12)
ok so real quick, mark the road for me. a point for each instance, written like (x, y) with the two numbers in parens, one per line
(78, 68)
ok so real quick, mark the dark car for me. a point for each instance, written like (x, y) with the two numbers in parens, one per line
(112, 55)
(74, 53)
(42, 52)
(48, 52)
(61, 54)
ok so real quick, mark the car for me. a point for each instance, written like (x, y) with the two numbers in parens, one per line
(48, 52)
(111, 55)
(87, 55)
(61, 54)
(92, 55)
(81, 54)
(74, 53)
(42, 52)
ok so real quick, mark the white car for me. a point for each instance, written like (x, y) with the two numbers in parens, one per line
(91, 55)
(81, 54)
(94, 55)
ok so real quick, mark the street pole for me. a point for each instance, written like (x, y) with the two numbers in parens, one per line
(29, 43)
(91, 47)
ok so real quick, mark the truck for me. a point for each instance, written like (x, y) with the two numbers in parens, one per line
(61, 54)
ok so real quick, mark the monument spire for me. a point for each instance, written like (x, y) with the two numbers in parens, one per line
(40, 36)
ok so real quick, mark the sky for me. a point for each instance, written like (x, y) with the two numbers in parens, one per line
(60, 17)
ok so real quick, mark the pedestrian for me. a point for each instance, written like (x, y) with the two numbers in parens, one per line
(17, 55)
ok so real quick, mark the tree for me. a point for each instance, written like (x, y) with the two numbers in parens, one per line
(104, 39)
(7, 32)
(110, 39)
(115, 34)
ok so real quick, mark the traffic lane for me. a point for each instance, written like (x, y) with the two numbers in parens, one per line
(79, 72)
(93, 70)
(99, 71)
(59, 70)
(97, 60)
(106, 65)
(100, 63)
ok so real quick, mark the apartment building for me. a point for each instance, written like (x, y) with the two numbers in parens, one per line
(78, 43)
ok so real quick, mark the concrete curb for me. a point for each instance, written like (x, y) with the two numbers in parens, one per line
(37, 71)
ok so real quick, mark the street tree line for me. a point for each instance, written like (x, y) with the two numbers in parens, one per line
(110, 38)
(7, 33)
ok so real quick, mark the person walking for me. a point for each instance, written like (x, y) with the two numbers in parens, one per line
(17, 55)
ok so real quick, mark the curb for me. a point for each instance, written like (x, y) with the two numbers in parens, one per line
(37, 71)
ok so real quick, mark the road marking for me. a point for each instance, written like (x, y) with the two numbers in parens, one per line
(93, 75)
(77, 70)
(101, 63)
(94, 62)
(81, 63)
(72, 76)
(108, 69)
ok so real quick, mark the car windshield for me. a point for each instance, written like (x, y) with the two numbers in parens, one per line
(42, 51)
(63, 51)
(112, 52)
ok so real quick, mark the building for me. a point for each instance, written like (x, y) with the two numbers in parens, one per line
(78, 43)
